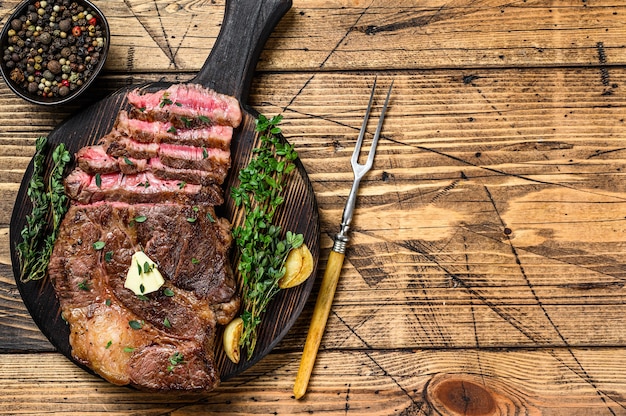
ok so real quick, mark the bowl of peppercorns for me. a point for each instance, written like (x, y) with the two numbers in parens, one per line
(52, 50)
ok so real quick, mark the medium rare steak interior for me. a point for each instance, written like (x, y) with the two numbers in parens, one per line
(150, 187)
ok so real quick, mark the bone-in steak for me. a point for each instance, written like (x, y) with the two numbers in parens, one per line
(152, 191)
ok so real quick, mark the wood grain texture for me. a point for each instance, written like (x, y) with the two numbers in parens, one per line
(402, 382)
(487, 267)
(365, 35)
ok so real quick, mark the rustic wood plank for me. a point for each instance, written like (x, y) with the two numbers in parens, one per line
(411, 382)
(397, 34)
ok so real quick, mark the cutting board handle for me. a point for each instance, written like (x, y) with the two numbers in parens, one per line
(246, 27)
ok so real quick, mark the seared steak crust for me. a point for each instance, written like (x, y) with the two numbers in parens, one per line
(151, 185)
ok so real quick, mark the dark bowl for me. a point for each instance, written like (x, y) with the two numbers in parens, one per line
(72, 51)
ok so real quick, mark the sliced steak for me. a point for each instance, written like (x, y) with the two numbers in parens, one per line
(216, 161)
(187, 103)
(188, 157)
(181, 321)
(145, 131)
(139, 188)
(191, 176)
(99, 162)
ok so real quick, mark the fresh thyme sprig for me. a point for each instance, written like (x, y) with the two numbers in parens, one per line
(262, 249)
(49, 203)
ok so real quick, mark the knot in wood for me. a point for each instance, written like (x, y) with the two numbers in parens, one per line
(462, 397)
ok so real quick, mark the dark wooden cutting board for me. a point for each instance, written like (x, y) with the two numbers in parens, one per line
(228, 69)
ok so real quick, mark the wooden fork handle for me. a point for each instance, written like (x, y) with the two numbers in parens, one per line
(318, 322)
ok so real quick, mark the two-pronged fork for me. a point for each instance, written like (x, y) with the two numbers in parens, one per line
(337, 255)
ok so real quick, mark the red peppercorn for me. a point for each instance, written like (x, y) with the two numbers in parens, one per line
(76, 31)
(65, 83)
(92, 21)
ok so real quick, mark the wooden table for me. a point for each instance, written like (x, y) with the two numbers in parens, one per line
(487, 268)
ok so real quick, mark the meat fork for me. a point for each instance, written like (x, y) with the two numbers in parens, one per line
(338, 252)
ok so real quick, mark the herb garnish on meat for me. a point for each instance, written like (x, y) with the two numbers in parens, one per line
(48, 201)
(262, 249)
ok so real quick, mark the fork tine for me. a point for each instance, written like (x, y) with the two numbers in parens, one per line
(381, 119)
(359, 142)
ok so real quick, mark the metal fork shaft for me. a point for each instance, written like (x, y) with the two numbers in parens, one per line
(359, 170)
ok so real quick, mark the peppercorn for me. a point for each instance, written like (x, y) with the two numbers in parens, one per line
(16, 24)
(45, 38)
(54, 66)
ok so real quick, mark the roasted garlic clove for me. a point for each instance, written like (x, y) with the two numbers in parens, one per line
(298, 267)
(232, 335)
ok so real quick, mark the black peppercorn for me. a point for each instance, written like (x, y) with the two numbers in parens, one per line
(16, 24)
(65, 25)
(45, 38)
(54, 67)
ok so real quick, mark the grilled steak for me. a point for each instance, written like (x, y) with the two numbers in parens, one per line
(186, 104)
(151, 186)
(90, 285)
(177, 163)
(213, 135)
(139, 188)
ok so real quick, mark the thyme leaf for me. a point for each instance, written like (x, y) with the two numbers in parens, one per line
(175, 359)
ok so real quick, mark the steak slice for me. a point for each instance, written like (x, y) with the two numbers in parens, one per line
(177, 156)
(95, 160)
(142, 187)
(188, 157)
(118, 145)
(192, 176)
(146, 131)
(170, 345)
(187, 105)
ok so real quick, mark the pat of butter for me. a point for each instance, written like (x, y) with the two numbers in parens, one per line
(143, 277)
